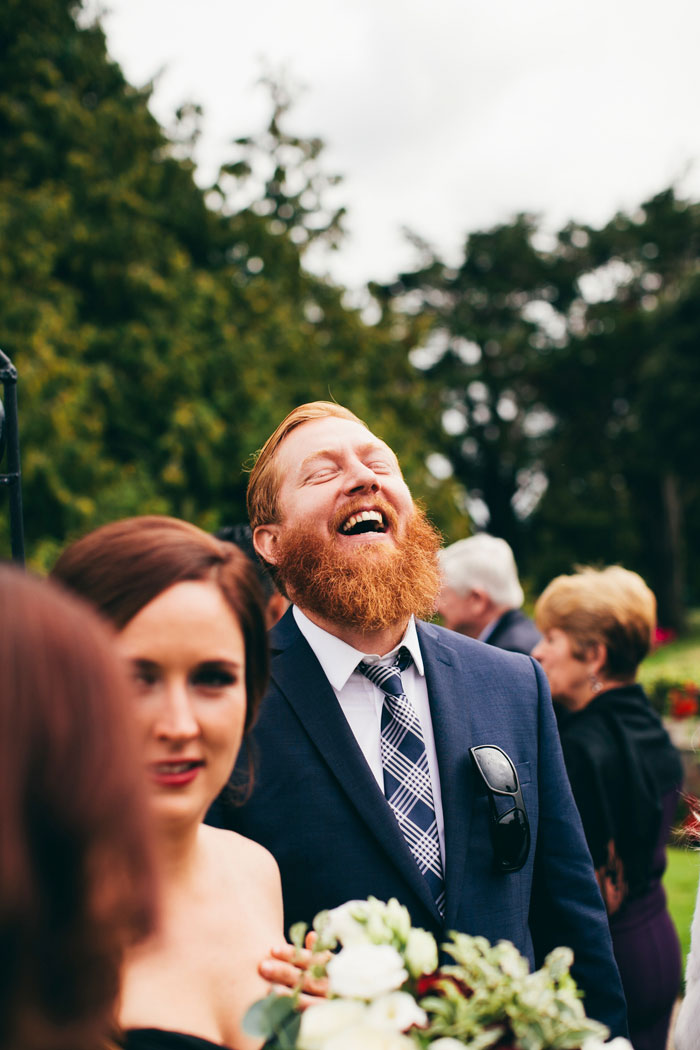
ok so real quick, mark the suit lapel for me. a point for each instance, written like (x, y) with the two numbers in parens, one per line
(452, 689)
(299, 677)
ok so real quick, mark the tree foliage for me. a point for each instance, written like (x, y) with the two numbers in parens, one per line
(161, 332)
(567, 372)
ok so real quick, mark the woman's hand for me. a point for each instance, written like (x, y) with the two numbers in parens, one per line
(288, 968)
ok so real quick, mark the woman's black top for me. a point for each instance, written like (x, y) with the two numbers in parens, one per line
(161, 1039)
(621, 764)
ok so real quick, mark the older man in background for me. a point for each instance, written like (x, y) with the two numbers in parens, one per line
(481, 594)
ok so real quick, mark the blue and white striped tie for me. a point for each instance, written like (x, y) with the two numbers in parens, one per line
(407, 783)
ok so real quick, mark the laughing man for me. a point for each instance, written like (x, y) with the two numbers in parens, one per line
(365, 781)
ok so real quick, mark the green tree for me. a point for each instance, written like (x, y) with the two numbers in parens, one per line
(487, 317)
(622, 390)
(159, 330)
(566, 378)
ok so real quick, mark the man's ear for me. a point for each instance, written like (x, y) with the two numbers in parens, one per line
(479, 599)
(265, 539)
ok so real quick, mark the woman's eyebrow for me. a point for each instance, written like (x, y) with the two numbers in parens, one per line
(221, 661)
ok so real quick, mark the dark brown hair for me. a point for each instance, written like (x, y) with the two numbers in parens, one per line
(123, 566)
(76, 878)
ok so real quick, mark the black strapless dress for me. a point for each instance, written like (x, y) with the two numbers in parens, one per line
(162, 1039)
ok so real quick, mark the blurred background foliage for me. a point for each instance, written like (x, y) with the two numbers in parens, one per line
(545, 386)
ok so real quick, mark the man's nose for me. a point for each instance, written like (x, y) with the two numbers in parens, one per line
(360, 476)
(176, 719)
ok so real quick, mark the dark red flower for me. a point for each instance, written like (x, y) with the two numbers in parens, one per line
(434, 983)
(684, 703)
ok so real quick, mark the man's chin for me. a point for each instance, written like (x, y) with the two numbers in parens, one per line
(370, 582)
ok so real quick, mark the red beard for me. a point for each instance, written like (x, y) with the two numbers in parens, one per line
(370, 587)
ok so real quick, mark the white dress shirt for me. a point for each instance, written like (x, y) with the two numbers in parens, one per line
(361, 701)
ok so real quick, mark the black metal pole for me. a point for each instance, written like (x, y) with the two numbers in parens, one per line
(13, 477)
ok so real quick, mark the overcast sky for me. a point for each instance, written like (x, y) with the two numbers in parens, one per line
(445, 116)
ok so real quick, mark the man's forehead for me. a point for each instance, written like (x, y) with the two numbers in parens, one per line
(317, 437)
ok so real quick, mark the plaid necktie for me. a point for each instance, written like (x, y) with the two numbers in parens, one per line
(406, 774)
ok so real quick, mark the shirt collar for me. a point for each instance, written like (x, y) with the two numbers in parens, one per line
(489, 629)
(339, 660)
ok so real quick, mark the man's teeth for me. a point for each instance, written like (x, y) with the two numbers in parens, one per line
(365, 515)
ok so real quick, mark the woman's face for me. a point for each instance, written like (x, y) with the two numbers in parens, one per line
(187, 656)
(569, 676)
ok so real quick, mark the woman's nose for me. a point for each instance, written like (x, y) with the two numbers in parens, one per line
(176, 720)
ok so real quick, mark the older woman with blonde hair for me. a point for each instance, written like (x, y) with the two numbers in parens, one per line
(597, 627)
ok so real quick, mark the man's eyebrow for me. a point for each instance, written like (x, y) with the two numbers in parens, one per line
(333, 453)
(320, 453)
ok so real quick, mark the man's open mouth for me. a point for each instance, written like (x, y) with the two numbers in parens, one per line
(363, 521)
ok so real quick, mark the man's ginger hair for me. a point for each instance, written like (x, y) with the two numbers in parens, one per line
(265, 478)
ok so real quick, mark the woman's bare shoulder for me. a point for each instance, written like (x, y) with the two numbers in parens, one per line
(240, 855)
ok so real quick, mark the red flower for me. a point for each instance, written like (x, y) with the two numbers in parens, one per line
(663, 635)
(684, 702)
(433, 984)
(691, 824)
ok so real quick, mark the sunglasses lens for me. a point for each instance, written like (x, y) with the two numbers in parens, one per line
(512, 838)
(496, 769)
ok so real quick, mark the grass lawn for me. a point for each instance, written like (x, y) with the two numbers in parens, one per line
(681, 883)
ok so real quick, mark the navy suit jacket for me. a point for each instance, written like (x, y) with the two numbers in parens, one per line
(516, 632)
(317, 807)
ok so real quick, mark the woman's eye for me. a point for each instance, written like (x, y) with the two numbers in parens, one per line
(143, 675)
(214, 677)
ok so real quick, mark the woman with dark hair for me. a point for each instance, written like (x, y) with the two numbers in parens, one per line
(625, 773)
(76, 878)
(189, 615)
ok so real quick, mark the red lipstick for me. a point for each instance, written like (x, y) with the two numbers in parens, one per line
(175, 773)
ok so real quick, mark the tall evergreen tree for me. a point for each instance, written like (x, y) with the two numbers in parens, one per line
(159, 332)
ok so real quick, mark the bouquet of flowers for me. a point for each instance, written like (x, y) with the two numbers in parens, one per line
(386, 992)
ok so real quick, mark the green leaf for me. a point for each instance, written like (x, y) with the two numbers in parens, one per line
(297, 933)
(274, 1019)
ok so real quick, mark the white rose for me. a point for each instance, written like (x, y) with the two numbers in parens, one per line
(365, 971)
(446, 1043)
(421, 954)
(559, 961)
(397, 1011)
(342, 923)
(398, 919)
(325, 1019)
(378, 929)
(511, 962)
(365, 1037)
